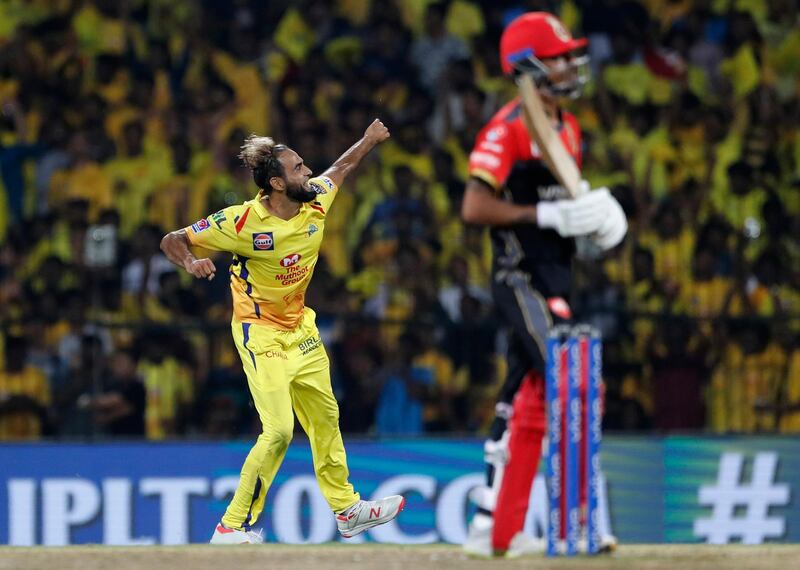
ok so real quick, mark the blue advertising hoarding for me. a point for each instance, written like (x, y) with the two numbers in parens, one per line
(675, 489)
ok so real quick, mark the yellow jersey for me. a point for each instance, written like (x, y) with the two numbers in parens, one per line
(30, 382)
(273, 259)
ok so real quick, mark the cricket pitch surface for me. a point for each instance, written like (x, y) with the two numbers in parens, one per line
(385, 557)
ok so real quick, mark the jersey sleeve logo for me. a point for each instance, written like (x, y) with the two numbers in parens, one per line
(318, 188)
(200, 226)
(218, 218)
(496, 133)
(262, 241)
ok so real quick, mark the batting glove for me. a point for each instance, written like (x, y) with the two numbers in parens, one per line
(614, 226)
(579, 217)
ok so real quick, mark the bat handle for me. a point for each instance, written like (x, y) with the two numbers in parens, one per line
(583, 187)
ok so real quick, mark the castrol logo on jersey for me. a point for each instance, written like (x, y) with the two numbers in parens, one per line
(290, 260)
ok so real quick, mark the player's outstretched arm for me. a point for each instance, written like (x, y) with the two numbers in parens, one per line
(375, 134)
(175, 246)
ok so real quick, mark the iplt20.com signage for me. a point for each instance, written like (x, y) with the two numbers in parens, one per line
(656, 490)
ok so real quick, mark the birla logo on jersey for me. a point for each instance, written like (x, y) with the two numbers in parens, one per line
(262, 241)
(290, 259)
(309, 344)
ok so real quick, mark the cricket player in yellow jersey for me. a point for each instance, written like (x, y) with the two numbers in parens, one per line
(275, 240)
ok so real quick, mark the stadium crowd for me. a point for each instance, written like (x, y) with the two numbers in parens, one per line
(122, 120)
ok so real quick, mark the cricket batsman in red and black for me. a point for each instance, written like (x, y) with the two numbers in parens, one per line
(533, 225)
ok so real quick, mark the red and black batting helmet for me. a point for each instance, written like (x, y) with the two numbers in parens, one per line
(534, 36)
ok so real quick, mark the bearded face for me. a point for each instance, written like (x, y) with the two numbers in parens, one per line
(299, 192)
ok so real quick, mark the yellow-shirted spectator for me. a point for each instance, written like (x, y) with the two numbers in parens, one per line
(742, 203)
(294, 36)
(725, 153)
(183, 197)
(691, 155)
(14, 13)
(743, 71)
(85, 179)
(745, 383)
(618, 265)
(170, 391)
(114, 84)
(790, 393)
(354, 11)
(464, 20)
(652, 162)
(408, 152)
(788, 295)
(630, 81)
(447, 386)
(135, 176)
(96, 33)
(645, 295)
(703, 294)
(24, 394)
(252, 98)
(672, 245)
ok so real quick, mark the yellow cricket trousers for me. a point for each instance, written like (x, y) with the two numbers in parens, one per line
(288, 370)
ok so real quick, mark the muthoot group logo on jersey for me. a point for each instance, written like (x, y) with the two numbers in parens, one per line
(293, 274)
(262, 241)
(290, 259)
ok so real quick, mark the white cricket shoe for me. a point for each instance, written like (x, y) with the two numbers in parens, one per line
(479, 537)
(366, 514)
(525, 545)
(479, 541)
(224, 535)
(608, 544)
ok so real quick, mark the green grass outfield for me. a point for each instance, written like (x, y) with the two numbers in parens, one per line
(383, 557)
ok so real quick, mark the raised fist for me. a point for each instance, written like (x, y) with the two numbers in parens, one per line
(377, 132)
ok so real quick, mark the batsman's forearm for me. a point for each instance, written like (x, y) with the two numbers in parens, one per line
(480, 207)
(175, 246)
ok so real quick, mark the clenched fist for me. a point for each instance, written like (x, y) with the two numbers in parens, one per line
(377, 132)
(200, 268)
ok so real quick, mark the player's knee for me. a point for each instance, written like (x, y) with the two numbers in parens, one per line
(279, 436)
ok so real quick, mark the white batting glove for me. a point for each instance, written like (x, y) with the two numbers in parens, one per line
(579, 217)
(614, 227)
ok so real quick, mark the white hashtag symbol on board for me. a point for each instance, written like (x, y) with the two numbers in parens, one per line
(755, 497)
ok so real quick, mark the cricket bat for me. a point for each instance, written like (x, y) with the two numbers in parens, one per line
(554, 153)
